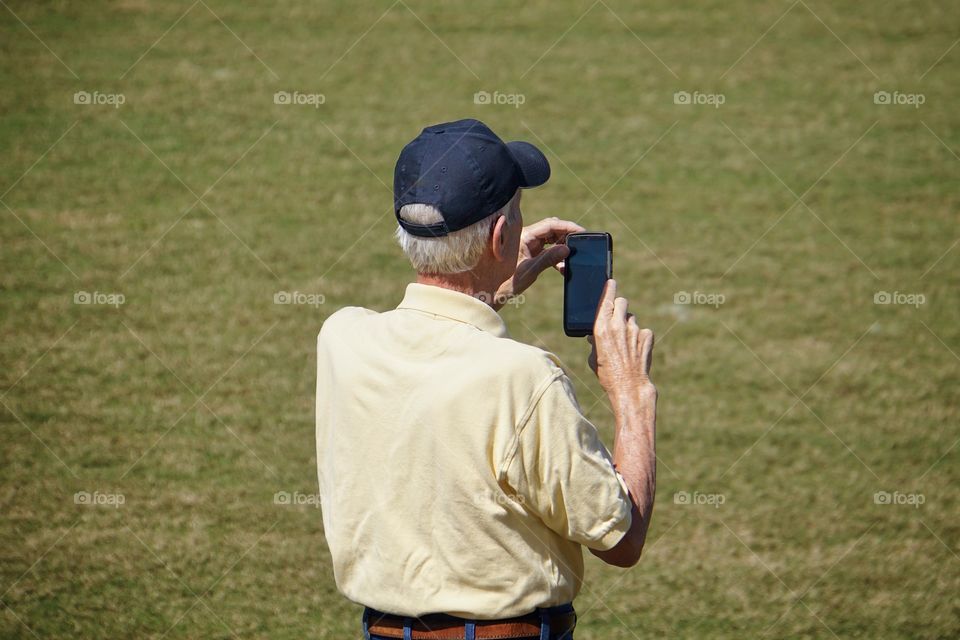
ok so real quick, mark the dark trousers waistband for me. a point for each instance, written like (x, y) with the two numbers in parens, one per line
(545, 623)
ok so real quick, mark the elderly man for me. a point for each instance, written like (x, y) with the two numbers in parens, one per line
(459, 478)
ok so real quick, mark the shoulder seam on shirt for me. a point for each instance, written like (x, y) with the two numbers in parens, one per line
(525, 418)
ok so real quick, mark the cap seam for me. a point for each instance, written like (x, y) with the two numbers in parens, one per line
(475, 166)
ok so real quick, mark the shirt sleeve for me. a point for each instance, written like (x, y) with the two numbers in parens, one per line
(562, 472)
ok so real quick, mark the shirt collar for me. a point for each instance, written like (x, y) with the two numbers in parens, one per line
(453, 305)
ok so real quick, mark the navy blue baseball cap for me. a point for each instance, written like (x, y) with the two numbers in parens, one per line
(464, 170)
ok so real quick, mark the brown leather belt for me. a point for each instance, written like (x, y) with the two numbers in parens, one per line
(444, 627)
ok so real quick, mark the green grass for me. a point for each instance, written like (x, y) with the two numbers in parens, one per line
(106, 400)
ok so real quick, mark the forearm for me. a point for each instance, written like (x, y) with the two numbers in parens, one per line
(634, 451)
(634, 454)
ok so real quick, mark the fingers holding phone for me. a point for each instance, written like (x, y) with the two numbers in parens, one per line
(622, 352)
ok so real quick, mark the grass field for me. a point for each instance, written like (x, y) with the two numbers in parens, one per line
(792, 396)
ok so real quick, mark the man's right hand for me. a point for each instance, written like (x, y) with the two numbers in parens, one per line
(621, 357)
(622, 352)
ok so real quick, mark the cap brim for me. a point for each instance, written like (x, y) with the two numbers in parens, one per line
(533, 165)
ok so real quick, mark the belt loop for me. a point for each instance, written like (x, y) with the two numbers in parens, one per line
(407, 628)
(469, 630)
(544, 624)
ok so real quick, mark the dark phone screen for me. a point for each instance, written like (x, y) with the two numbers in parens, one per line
(587, 270)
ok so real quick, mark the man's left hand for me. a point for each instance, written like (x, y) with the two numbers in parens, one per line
(534, 258)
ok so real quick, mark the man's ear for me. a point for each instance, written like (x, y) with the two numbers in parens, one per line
(498, 239)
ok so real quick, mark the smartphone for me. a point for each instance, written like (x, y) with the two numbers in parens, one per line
(587, 269)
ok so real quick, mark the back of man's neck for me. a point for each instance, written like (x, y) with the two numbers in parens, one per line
(463, 282)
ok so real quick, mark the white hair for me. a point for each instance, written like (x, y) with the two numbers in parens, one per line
(455, 252)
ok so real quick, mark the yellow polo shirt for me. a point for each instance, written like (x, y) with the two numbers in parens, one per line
(457, 472)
